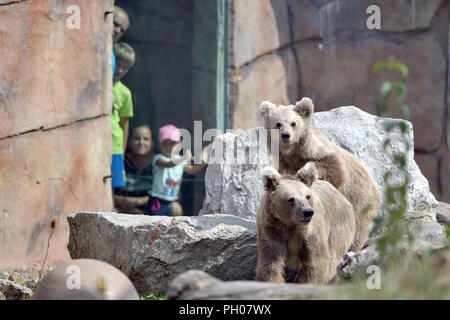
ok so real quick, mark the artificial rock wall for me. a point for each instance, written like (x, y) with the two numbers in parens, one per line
(55, 132)
(282, 50)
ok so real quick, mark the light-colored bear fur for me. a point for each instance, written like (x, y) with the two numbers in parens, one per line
(310, 251)
(307, 148)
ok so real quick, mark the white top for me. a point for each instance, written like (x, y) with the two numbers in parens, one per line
(166, 181)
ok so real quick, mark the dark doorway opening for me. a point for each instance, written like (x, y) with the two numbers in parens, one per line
(179, 75)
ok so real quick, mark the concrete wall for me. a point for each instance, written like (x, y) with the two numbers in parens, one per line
(55, 134)
(282, 50)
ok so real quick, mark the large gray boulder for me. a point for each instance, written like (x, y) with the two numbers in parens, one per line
(153, 250)
(363, 135)
(237, 188)
(443, 213)
(233, 176)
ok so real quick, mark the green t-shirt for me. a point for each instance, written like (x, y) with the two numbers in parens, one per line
(123, 108)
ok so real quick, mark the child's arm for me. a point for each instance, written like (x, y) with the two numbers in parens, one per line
(165, 164)
(125, 124)
(196, 168)
(170, 164)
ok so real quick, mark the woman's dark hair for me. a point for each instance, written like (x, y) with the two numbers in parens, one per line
(140, 125)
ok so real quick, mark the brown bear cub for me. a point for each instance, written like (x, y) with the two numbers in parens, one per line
(304, 228)
(303, 146)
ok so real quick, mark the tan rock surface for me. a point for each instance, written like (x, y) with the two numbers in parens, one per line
(305, 20)
(335, 52)
(55, 133)
(351, 16)
(53, 75)
(341, 73)
(272, 77)
(445, 174)
(428, 164)
(260, 26)
(49, 175)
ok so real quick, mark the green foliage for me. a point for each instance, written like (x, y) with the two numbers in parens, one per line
(391, 64)
(152, 296)
(388, 88)
(404, 274)
(447, 232)
(411, 277)
(395, 194)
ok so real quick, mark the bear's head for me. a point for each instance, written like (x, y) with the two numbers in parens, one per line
(291, 196)
(294, 122)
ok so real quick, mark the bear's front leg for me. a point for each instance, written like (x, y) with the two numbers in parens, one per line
(317, 269)
(271, 260)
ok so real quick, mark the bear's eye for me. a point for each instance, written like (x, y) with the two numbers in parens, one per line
(308, 197)
(293, 124)
(278, 125)
(291, 200)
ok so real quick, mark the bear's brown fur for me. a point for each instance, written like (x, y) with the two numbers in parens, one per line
(309, 248)
(303, 146)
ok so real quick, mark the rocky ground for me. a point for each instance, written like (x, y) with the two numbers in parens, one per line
(18, 285)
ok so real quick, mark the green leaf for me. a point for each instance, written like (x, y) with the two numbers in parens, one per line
(386, 89)
(386, 144)
(153, 296)
(391, 64)
(400, 88)
(400, 160)
(379, 65)
(402, 189)
(405, 110)
(407, 144)
(382, 109)
(403, 127)
(401, 67)
(389, 125)
(386, 176)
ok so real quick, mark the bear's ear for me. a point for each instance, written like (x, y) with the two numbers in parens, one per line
(271, 178)
(304, 107)
(308, 174)
(266, 108)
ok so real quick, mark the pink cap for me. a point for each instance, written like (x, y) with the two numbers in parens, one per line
(169, 132)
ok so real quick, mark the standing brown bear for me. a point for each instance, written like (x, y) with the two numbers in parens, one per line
(305, 228)
(303, 146)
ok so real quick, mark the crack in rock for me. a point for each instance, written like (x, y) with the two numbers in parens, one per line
(9, 2)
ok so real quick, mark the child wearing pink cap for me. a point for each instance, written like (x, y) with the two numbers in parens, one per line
(167, 174)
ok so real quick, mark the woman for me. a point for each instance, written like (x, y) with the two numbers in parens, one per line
(138, 167)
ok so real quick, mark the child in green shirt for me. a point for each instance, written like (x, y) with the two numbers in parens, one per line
(122, 111)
